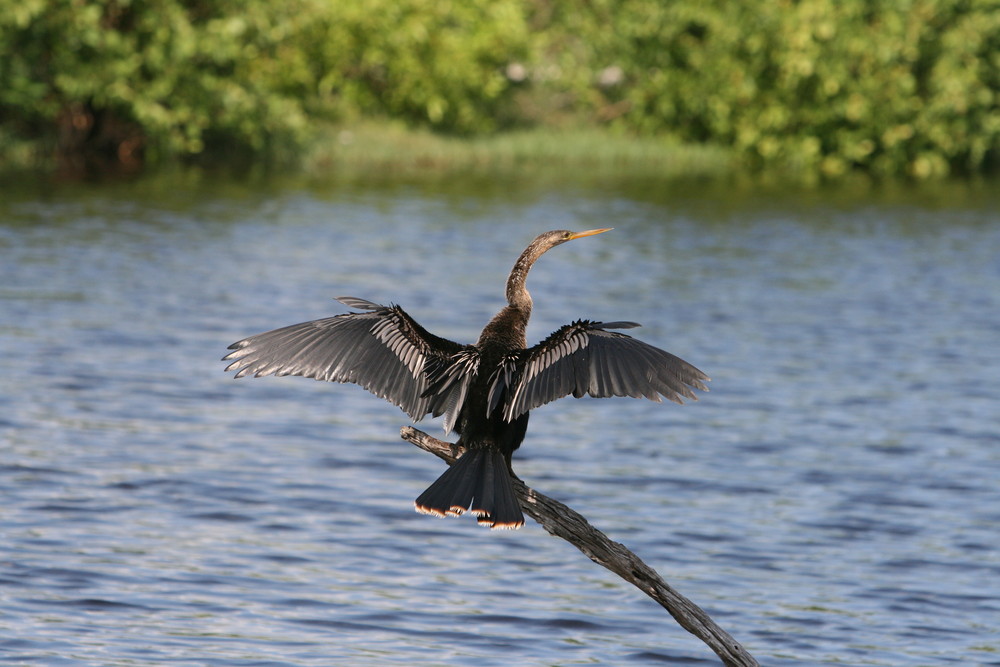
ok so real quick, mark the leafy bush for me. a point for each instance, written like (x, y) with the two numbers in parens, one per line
(900, 86)
(125, 77)
(152, 76)
(889, 86)
(438, 63)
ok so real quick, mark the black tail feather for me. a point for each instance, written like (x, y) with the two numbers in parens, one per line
(504, 496)
(478, 481)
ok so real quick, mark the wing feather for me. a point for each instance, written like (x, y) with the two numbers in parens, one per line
(383, 349)
(449, 385)
(585, 358)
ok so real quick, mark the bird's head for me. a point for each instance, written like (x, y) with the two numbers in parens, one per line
(558, 236)
(517, 294)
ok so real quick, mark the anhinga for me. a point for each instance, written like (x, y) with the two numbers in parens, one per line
(485, 390)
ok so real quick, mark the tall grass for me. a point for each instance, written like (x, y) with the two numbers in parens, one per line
(391, 147)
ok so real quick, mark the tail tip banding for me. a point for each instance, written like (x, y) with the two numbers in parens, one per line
(483, 518)
(487, 520)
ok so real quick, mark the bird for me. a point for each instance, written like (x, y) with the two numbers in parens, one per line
(485, 390)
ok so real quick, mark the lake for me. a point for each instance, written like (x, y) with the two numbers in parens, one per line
(834, 499)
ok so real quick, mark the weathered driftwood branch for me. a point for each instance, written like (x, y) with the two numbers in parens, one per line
(561, 521)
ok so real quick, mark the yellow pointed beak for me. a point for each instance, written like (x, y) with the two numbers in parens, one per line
(589, 232)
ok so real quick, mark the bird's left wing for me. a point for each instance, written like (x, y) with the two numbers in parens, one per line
(384, 350)
(585, 358)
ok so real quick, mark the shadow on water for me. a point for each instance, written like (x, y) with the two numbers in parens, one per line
(832, 500)
(722, 199)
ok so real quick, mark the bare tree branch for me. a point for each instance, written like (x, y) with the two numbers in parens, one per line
(561, 521)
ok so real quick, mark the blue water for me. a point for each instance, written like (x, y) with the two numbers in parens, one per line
(835, 498)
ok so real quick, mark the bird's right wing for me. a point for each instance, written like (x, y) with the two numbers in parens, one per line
(584, 358)
(383, 350)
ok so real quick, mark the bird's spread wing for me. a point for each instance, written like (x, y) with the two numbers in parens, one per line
(384, 350)
(585, 358)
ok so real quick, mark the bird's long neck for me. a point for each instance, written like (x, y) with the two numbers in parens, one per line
(510, 324)
(517, 291)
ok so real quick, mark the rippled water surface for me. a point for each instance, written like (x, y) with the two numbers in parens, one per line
(834, 499)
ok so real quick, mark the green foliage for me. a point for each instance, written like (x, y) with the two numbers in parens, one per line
(437, 63)
(887, 86)
(122, 77)
(168, 76)
(825, 86)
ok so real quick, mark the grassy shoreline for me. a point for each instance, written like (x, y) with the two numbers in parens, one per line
(391, 148)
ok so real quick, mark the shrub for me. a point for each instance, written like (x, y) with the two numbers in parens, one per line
(889, 87)
(123, 77)
(900, 86)
(127, 77)
(438, 63)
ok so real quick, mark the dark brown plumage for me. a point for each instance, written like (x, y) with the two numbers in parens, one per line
(485, 391)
